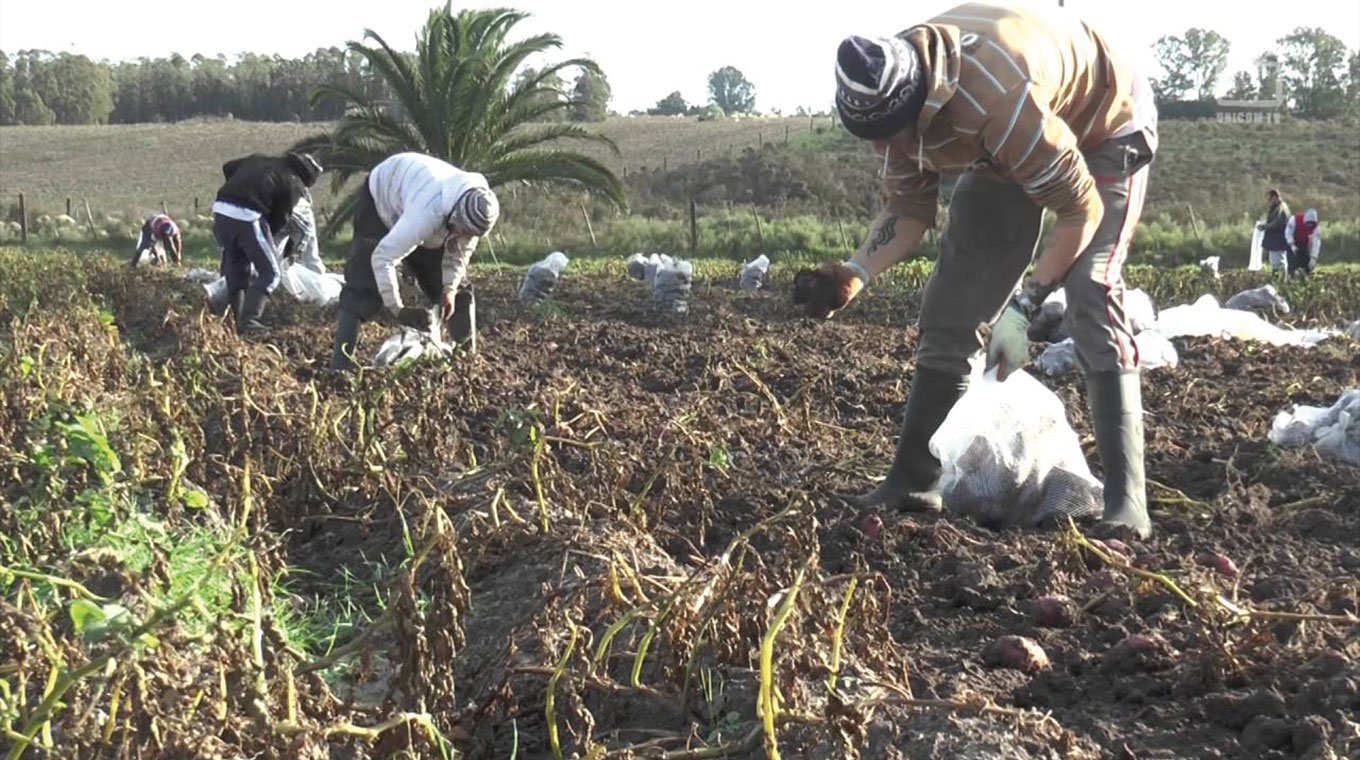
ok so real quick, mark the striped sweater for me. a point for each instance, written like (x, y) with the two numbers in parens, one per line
(1022, 92)
(414, 194)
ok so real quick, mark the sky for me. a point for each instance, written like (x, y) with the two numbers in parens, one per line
(647, 49)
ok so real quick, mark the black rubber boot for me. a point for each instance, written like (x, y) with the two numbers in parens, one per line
(1116, 403)
(248, 318)
(463, 323)
(235, 303)
(346, 341)
(911, 482)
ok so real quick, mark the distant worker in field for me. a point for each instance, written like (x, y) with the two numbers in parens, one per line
(160, 237)
(426, 215)
(252, 207)
(1034, 110)
(1273, 242)
(1305, 241)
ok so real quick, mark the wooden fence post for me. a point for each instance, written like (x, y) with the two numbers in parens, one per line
(786, 134)
(693, 226)
(760, 230)
(23, 220)
(589, 227)
(1194, 223)
(195, 205)
(68, 205)
(89, 216)
(664, 167)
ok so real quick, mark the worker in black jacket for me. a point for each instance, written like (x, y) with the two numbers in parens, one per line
(253, 206)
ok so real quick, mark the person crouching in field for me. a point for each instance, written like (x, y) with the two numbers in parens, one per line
(1273, 242)
(422, 213)
(159, 236)
(1034, 110)
(1304, 237)
(252, 207)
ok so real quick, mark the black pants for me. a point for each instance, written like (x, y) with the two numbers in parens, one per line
(244, 244)
(1299, 261)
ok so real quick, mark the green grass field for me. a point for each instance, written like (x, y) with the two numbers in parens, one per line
(1207, 185)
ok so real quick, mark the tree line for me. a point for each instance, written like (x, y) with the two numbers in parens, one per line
(38, 87)
(1320, 77)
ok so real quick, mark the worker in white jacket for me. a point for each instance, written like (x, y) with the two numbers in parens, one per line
(422, 213)
(1304, 236)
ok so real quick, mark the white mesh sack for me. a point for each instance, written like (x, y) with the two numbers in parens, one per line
(1262, 299)
(1010, 457)
(671, 286)
(1334, 431)
(542, 276)
(753, 273)
(307, 286)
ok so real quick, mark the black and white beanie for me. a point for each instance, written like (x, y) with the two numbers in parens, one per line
(476, 210)
(305, 166)
(880, 85)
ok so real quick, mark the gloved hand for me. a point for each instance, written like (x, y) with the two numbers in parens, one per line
(1008, 350)
(414, 318)
(827, 289)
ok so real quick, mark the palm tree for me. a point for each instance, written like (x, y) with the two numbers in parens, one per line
(457, 98)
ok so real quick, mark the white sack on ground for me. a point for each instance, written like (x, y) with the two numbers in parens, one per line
(1262, 299)
(1206, 317)
(1210, 265)
(1334, 431)
(1059, 358)
(1139, 311)
(644, 266)
(408, 344)
(1154, 352)
(542, 276)
(309, 287)
(202, 276)
(1010, 457)
(753, 273)
(671, 286)
(1354, 330)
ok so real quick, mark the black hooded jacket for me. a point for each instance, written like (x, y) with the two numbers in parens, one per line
(267, 184)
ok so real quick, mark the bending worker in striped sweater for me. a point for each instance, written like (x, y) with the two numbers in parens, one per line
(420, 212)
(1032, 110)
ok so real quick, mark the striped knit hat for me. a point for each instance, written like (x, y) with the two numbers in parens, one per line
(476, 210)
(880, 86)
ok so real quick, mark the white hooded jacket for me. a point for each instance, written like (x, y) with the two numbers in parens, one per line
(414, 195)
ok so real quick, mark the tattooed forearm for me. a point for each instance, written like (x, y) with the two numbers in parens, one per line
(882, 236)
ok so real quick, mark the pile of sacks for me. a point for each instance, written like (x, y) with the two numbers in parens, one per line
(753, 273)
(644, 266)
(1333, 431)
(1009, 457)
(671, 279)
(1154, 350)
(542, 277)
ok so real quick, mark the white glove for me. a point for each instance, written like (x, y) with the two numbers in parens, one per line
(1008, 350)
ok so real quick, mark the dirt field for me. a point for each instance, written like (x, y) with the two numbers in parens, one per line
(606, 512)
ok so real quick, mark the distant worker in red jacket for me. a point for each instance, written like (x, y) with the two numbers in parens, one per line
(159, 232)
(1304, 237)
